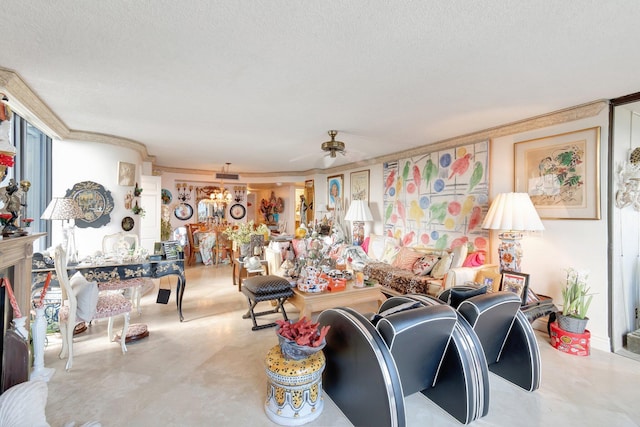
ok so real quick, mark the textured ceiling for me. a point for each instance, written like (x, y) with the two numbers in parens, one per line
(259, 83)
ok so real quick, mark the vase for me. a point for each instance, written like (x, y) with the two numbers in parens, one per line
(572, 324)
(39, 333)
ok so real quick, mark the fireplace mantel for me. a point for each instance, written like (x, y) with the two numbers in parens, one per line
(16, 252)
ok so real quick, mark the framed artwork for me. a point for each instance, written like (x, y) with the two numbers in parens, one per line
(126, 173)
(360, 185)
(183, 211)
(95, 203)
(561, 174)
(518, 283)
(309, 196)
(335, 191)
(438, 199)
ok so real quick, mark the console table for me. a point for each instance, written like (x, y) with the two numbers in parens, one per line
(121, 271)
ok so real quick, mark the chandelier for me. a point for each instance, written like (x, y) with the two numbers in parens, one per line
(220, 196)
(184, 192)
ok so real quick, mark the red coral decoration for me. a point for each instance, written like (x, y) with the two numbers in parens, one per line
(6, 160)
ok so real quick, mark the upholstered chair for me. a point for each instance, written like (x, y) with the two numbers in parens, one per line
(82, 302)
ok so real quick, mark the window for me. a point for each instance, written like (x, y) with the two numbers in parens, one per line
(33, 163)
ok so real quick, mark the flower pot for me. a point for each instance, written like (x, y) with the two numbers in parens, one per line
(572, 324)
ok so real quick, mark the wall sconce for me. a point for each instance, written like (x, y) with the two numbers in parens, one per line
(239, 193)
(184, 192)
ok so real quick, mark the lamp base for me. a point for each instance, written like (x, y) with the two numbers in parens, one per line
(358, 232)
(510, 251)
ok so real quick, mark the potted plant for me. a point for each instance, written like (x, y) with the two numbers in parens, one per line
(575, 302)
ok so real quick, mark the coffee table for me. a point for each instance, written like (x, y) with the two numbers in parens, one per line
(312, 302)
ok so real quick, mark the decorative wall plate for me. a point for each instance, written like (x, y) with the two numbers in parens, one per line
(237, 211)
(166, 196)
(95, 203)
(183, 211)
(128, 223)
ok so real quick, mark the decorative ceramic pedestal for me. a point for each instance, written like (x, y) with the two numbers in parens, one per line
(39, 333)
(294, 388)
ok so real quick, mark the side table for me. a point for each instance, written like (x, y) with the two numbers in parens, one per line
(294, 388)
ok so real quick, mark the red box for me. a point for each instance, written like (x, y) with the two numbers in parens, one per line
(570, 343)
(337, 285)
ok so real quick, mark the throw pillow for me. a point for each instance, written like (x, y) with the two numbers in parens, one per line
(406, 258)
(442, 267)
(456, 296)
(424, 265)
(365, 244)
(87, 296)
(459, 254)
(24, 404)
(376, 246)
(299, 247)
(474, 259)
(390, 252)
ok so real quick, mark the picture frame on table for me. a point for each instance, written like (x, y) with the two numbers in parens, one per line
(360, 185)
(126, 174)
(335, 191)
(561, 174)
(516, 282)
(489, 277)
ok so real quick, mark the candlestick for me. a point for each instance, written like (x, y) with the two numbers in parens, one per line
(44, 290)
(12, 298)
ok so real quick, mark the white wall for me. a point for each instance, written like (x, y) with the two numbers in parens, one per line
(74, 162)
(581, 244)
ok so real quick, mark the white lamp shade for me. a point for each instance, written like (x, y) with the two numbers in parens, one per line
(62, 208)
(359, 211)
(512, 211)
(321, 208)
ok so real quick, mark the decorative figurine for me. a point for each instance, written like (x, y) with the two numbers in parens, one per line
(12, 197)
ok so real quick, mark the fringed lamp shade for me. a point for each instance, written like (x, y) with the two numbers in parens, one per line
(62, 208)
(513, 213)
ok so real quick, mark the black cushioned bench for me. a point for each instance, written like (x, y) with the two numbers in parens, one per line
(265, 288)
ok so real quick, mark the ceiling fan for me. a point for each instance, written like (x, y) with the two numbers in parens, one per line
(333, 146)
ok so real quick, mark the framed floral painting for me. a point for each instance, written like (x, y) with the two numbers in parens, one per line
(561, 174)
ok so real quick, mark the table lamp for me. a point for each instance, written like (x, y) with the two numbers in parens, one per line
(64, 208)
(513, 213)
(358, 213)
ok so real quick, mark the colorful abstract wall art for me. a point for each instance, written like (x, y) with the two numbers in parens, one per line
(439, 199)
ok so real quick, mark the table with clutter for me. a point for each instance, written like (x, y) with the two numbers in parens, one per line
(101, 269)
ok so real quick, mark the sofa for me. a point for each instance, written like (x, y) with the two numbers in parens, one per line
(399, 270)
(422, 270)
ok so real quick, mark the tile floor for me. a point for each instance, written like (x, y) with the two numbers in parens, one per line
(209, 370)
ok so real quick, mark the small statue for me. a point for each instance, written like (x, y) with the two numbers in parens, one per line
(12, 198)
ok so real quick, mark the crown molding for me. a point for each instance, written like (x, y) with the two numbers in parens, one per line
(25, 102)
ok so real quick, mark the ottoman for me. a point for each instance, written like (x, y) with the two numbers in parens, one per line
(265, 288)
